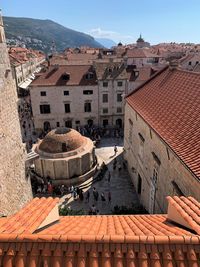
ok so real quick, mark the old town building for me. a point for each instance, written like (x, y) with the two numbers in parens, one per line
(38, 236)
(162, 137)
(190, 61)
(65, 96)
(24, 63)
(15, 189)
(113, 86)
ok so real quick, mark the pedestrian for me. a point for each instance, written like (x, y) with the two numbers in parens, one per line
(119, 167)
(114, 164)
(103, 197)
(109, 176)
(94, 192)
(115, 149)
(74, 194)
(93, 209)
(62, 189)
(97, 195)
(88, 196)
(109, 197)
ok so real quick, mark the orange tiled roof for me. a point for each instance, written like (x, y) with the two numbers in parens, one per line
(53, 76)
(170, 103)
(140, 53)
(28, 219)
(128, 240)
(189, 209)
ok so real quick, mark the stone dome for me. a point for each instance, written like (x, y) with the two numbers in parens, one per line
(61, 140)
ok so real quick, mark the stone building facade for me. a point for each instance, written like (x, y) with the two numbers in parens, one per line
(162, 137)
(15, 188)
(65, 96)
(65, 156)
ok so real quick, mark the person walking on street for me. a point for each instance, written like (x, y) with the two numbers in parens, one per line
(88, 196)
(119, 167)
(115, 149)
(109, 197)
(109, 176)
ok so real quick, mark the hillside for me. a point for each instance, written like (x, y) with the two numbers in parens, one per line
(108, 43)
(39, 34)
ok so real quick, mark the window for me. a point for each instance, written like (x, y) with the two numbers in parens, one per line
(77, 122)
(119, 110)
(141, 146)
(87, 107)
(105, 123)
(57, 124)
(105, 84)
(119, 84)
(105, 110)
(105, 98)
(119, 97)
(43, 93)
(68, 124)
(67, 108)
(197, 62)
(88, 92)
(130, 133)
(139, 187)
(155, 176)
(136, 73)
(65, 76)
(66, 92)
(89, 76)
(45, 109)
(190, 63)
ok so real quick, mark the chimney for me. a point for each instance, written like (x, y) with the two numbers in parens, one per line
(173, 64)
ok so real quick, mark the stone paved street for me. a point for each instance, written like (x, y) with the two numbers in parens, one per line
(120, 186)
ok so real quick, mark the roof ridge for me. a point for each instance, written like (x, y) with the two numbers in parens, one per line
(147, 81)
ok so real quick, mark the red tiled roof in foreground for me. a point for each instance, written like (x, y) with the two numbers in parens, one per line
(170, 103)
(188, 209)
(95, 241)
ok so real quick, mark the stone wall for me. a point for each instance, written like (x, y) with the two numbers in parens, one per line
(15, 189)
(172, 175)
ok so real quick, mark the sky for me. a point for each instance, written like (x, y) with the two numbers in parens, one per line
(157, 20)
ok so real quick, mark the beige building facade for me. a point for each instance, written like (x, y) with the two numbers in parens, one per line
(155, 169)
(15, 188)
(161, 138)
(65, 103)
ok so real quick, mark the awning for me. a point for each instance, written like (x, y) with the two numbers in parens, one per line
(25, 84)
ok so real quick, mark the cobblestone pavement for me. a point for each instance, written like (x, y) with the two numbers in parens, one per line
(120, 185)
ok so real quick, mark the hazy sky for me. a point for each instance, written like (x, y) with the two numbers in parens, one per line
(157, 20)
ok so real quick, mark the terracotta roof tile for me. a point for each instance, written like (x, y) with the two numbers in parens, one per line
(189, 210)
(29, 218)
(77, 76)
(170, 103)
(124, 240)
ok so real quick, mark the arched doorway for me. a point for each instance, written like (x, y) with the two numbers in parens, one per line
(119, 123)
(90, 123)
(47, 126)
